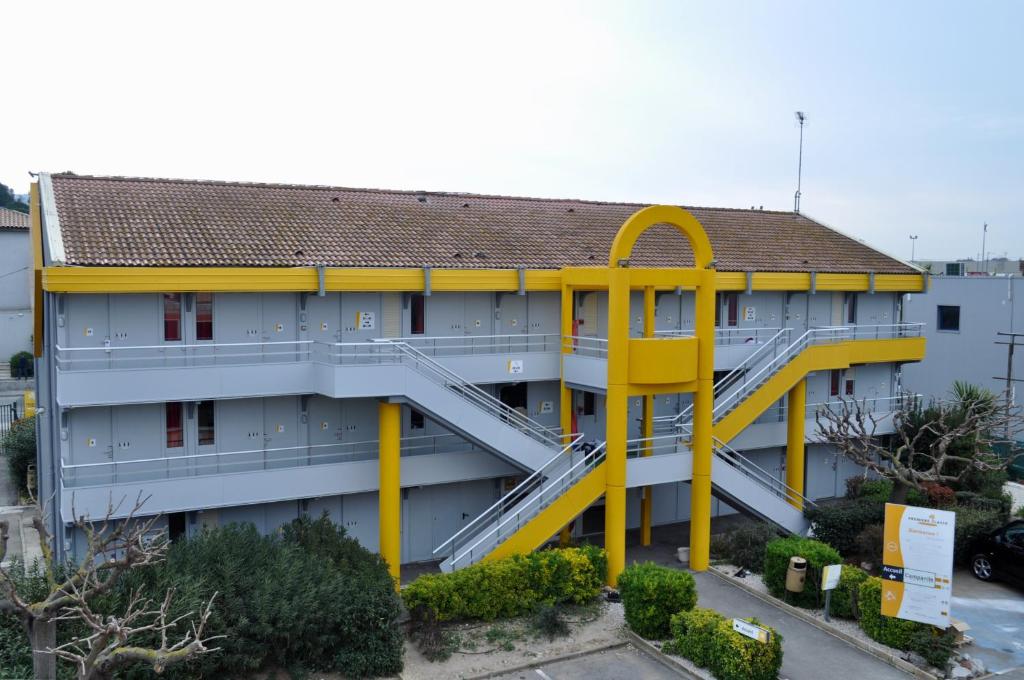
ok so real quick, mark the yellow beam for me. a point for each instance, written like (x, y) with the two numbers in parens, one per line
(796, 404)
(542, 527)
(647, 424)
(801, 281)
(703, 410)
(616, 425)
(287, 279)
(390, 496)
(565, 393)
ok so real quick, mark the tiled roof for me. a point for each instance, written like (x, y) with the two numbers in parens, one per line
(12, 219)
(157, 222)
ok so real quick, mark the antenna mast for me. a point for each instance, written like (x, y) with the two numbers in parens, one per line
(801, 117)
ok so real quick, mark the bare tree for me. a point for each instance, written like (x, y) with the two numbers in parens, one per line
(940, 443)
(114, 547)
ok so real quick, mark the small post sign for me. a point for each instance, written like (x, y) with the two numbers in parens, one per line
(829, 581)
(751, 630)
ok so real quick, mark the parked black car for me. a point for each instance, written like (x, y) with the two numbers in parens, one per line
(1001, 554)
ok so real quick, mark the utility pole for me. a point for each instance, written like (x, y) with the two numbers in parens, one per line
(984, 233)
(913, 243)
(1013, 342)
(801, 118)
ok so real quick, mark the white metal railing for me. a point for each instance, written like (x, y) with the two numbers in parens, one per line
(459, 345)
(586, 346)
(541, 488)
(228, 462)
(730, 335)
(110, 355)
(886, 404)
(757, 474)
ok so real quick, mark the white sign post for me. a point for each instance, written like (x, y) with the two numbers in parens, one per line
(829, 580)
(917, 564)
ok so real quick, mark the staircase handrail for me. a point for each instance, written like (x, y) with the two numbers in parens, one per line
(531, 480)
(589, 460)
(758, 474)
(542, 433)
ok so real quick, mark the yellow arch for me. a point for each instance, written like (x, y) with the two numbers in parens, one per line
(642, 220)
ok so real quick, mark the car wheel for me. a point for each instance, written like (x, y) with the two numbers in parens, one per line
(981, 565)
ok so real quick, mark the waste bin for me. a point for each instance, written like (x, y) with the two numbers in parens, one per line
(796, 574)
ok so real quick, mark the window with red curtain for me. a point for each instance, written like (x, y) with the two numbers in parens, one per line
(734, 309)
(172, 317)
(834, 379)
(175, 425)
(417, 318)
(204, 316)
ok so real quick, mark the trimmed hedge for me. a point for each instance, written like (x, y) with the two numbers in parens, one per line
(651, 594)
(19, 445)
(776, 562)
(512, 586)
(888, 630)
(22, 365)
(706, 638)
(839, 524)
(846, 596)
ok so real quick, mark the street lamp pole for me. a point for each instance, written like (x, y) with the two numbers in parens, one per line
(913, 243)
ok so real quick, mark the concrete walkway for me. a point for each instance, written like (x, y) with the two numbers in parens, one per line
(809, 653)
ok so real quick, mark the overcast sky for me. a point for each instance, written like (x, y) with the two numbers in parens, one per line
(915, 109)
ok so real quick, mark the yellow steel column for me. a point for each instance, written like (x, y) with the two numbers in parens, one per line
(647, 425)
(390, 495)
(796, 403)
(565, 394)
(617, 406)
(703, 407)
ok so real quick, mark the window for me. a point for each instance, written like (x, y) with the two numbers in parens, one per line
(416, 420)
(718, 310)
(176, 525)
(733, 301)
(851, 308)
(588, 404)
(204, 316)
(172, 317)
(954, 269)
(416, 316)
(835, 377)
(849, 389)
(949, 318)
(204, 414)
(175, 426)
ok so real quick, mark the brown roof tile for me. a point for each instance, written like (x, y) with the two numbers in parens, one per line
(157, 222)
(12, 219)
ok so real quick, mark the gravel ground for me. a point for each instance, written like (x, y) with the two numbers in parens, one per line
(493, 647)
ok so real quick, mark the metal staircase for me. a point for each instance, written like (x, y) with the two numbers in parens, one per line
(463, 407)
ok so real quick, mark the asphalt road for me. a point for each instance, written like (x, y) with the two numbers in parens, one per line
(612, 664)
(995, 612)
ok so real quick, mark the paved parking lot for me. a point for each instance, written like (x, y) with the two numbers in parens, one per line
(612, 664)
(995, 612)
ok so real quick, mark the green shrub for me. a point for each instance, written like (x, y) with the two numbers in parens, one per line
(693, 635)
(888, 630)
(707, 639)
(1002, 503)
(878, 490)
(309, 598)
(15, 653)
(651, 594)
(512, 586)
(845, 597)
(1020, 512)
(548, 622)
(839, 524)
(869, 544)
(776, 563)
(971, 524)
(987, 483)
(934, 645)
(22, 365)
(745, 546)
(19, 444)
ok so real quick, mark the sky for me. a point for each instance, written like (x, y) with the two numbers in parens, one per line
(915, 110)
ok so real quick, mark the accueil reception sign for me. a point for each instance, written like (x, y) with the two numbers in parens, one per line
(917, 564)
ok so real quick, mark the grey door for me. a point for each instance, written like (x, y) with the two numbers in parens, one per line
(87, 325)
(323, 318)
(478, 321)
(238, 327)
(280, 431)
(796, 313)
(359, 423)
(513, 320)
(239, 436)
(544, 310)
(359, 515)
(279, 328)
(417, 519)
(325, 430)
(134, 322)
(819, 310)
(90, 436)
(138, 429)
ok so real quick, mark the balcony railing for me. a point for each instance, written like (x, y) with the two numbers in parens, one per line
(177, 355)
(876, 405)
(253, 460)
(725, 337)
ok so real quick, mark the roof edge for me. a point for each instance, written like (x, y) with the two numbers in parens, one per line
(907, 263)
(51, 220)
